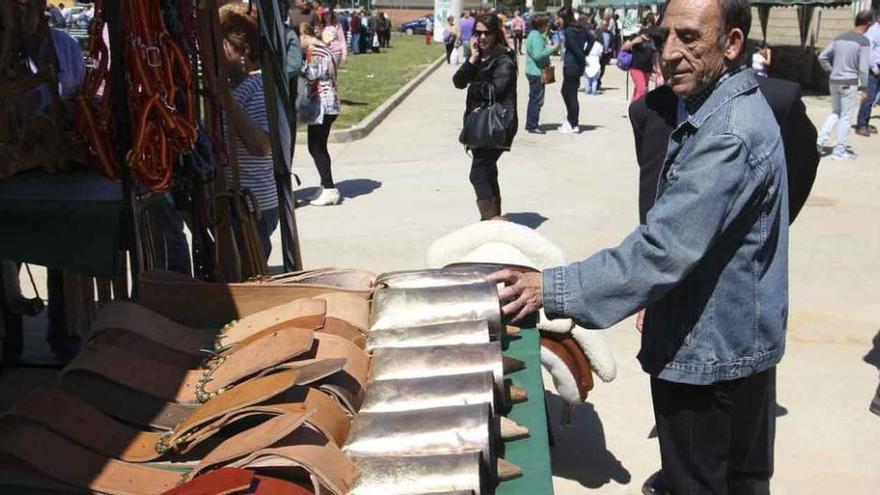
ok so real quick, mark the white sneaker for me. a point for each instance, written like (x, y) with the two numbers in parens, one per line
(326, 197)
(565, 128)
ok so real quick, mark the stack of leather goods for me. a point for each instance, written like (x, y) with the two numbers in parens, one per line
(432, 419)
(150, 403)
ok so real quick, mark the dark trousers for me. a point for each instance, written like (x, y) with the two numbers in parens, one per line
(449, 48)
(604, 59)
(355, 43)
(517, 42)
(484, 172)
(717, 439)
(867, 105)
(266, 225)
(536, 101)
(571, 79)
(318, 135)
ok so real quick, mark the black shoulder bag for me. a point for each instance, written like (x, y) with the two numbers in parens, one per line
(487, 125)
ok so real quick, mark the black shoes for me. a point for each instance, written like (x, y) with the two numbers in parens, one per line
(875, 404)
(654, 485)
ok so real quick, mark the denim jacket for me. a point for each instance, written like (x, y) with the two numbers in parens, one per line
(711, 262)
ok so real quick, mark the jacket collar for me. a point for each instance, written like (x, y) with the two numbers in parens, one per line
(724, 90)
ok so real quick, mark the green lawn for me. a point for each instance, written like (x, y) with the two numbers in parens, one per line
(367, 80)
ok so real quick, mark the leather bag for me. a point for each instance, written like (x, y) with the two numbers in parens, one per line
(548, 74)
(488, 125)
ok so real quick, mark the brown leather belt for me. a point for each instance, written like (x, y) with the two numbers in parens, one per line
(60, 460)
(339, 314)
(196, 303)
(82, 423)
(267, 352)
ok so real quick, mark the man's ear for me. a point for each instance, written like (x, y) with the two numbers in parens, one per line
(735, 46)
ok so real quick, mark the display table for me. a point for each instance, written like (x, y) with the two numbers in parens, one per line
(69, 221)
(532, 454)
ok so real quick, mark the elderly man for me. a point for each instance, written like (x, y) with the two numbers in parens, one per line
(710, 264)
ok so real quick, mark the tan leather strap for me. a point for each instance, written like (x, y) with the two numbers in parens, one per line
(349, 308)
(200, 304)
(134, 318)
(566, 349)
(274, 317)
(85, 425)
(306, 449)
(176, 384)
(124, 403)
(62, 460)
(82, 423)
(66, 462)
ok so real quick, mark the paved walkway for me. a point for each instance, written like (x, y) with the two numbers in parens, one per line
(406, 185)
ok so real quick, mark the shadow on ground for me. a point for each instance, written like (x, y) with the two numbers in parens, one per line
(579, 453)
(873, 356)
(529, 218)
(555, 127)
(349, 189)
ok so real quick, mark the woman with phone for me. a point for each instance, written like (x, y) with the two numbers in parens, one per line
(489, 74)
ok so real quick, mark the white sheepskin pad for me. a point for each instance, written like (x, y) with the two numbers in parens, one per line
(563, 380)
(598, 351)
(458, 245)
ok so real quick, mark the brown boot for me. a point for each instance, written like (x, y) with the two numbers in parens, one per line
(499, 216)
(863, 131)
(489, 208)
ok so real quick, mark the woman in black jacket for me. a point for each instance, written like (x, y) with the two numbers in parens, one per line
(573, 64)
(492, 64)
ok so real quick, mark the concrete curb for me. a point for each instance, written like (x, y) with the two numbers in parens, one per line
(363, 128)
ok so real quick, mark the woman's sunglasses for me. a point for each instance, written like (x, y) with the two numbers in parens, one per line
(481, 32)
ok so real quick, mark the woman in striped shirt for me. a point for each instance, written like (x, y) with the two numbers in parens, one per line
(245, 107)
(320, 70)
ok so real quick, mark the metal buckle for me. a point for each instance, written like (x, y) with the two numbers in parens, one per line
(154, 56)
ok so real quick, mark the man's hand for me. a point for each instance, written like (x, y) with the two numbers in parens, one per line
(522, 294)
(863, 96)
(640, 320)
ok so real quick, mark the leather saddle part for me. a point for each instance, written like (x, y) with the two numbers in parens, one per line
(82, 423)
(203, 304)
(394, 308)
(440, 474)
(429, 392)
(340, 314)
(456, 332)
(150, 375)
(569, 352)
(266, 352)
(63, 461)
(431, 277)
(391, 363)
(442, 430)
(234, 481)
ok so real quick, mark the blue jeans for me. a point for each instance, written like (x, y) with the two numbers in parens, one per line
(355, 43)
(865, 110)
(536, 101)
(267, 224)
(844, 100)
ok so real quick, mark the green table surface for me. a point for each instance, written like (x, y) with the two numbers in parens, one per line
(532, 454)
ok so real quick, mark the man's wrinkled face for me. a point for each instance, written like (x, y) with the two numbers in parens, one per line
(694, 45)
